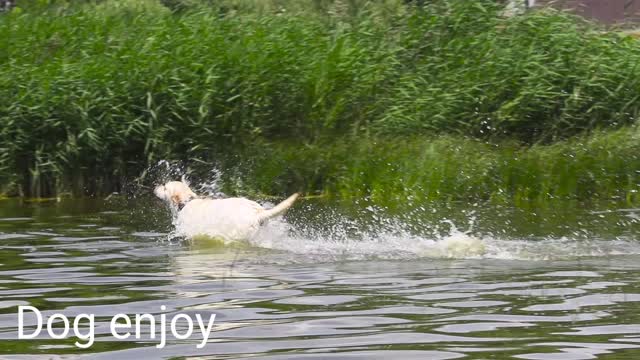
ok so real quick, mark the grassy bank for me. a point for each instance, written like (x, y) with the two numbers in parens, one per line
(91, 95)
(393, 171)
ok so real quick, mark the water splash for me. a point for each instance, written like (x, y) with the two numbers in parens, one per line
(363, 238)
(390, 244)
(213, 187)
(326, 232)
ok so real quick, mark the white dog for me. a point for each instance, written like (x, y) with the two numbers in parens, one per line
(232, 219)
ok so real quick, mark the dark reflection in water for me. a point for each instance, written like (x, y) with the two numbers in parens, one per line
(551, 283)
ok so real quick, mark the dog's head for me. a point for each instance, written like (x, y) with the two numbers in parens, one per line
(175, 193)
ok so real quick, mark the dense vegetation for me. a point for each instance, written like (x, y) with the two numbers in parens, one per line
(417, 170)
(451, 100)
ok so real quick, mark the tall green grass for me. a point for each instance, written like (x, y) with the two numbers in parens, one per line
(91, 95)
(394, 171)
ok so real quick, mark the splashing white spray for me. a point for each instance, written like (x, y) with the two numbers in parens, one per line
(322, 233)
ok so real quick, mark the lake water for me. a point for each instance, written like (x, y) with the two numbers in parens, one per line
(332, 282)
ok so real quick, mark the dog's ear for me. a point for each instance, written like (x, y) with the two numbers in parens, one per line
(175, 199)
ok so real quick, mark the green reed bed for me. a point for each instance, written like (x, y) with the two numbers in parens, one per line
(92, 95)
(394, 171)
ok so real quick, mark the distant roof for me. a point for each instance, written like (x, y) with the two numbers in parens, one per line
(606, 11)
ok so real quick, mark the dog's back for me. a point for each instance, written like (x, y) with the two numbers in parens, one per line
(226, 219)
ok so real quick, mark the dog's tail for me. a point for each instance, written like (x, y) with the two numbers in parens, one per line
(278, 209)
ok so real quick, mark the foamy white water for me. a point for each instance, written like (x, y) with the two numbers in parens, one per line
(455, 245)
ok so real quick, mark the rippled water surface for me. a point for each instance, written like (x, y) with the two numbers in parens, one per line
(332, 282)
